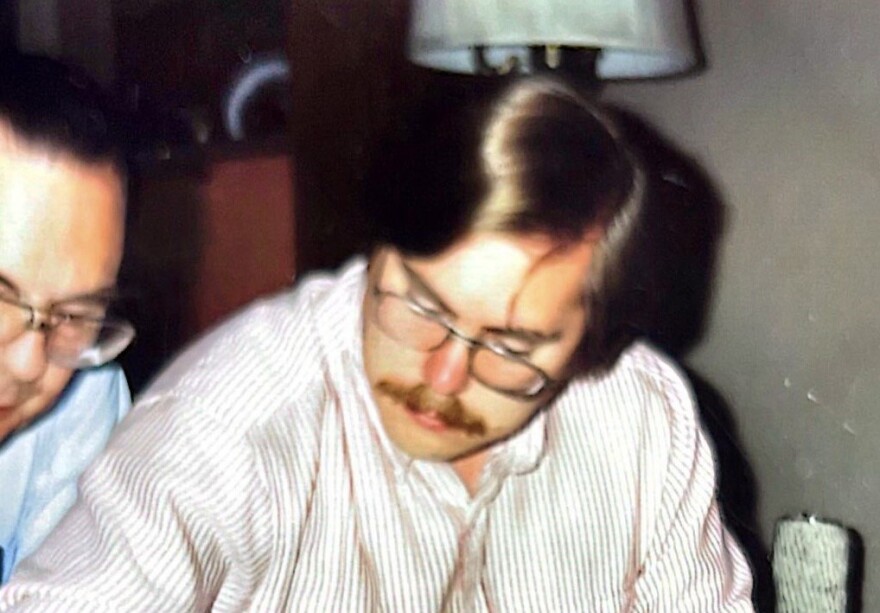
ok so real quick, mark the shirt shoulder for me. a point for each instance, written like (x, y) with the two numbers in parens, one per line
(269, 357)
(661, 378)
(644, 383)
(639, 418)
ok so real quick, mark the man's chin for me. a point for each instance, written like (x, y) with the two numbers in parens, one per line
(431, 451)
(18, 417)
(10, 421)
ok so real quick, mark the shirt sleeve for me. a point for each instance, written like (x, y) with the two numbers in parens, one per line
(176, 515)
(690, 561)
(159, 526)
(696, 565)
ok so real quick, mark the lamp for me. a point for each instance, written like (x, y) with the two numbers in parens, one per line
(611, 39)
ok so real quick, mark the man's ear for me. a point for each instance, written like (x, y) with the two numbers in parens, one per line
(378, 253)
(376, 260)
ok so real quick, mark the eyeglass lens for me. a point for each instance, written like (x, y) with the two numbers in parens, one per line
(397, 318)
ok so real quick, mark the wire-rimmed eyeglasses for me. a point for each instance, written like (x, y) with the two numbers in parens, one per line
(73, 339)
(491, 364)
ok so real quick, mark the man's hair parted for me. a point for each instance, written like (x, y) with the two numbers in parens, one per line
(534, 156)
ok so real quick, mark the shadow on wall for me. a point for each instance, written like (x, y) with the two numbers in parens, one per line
(856, 576)
(736, 488)
(674, 274)
(673, 269)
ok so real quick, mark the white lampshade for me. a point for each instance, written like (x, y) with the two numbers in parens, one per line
(638, 38)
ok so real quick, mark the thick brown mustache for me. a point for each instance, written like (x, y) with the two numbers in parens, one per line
(447, 409)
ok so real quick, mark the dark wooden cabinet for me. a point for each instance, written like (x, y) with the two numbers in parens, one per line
(204, 241)
(349, 75)
(185, 52)
(213, 223)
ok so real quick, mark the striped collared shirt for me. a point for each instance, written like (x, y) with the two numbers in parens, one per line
(255, 475)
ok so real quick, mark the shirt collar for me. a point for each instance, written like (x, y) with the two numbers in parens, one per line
(524, 450)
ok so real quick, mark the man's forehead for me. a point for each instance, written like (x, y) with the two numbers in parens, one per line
(104, 294)
(519, 254)
(498, 272)
(63, 222)
(500, 260)
(557, 280)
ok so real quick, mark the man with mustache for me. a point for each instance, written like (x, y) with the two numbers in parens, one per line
(61, 230)
(463, 422)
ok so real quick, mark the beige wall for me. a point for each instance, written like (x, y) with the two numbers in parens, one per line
(787, 121)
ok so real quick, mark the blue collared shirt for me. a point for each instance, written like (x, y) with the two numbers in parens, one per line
(40, 465)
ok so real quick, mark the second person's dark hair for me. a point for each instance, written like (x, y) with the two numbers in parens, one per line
(58, 107)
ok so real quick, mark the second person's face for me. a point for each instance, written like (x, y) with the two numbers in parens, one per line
(60, 239)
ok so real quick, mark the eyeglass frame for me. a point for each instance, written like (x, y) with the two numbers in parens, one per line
(45, 326)
(546, 381)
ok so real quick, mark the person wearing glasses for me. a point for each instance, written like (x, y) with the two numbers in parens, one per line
(462, 421)
(61, 232)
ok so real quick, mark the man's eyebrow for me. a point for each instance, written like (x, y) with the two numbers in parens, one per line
(424, 288)
(533, 337)
(104, 294)
(5, 281)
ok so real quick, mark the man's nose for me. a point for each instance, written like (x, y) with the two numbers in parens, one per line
(25, 356)
(446, 368)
